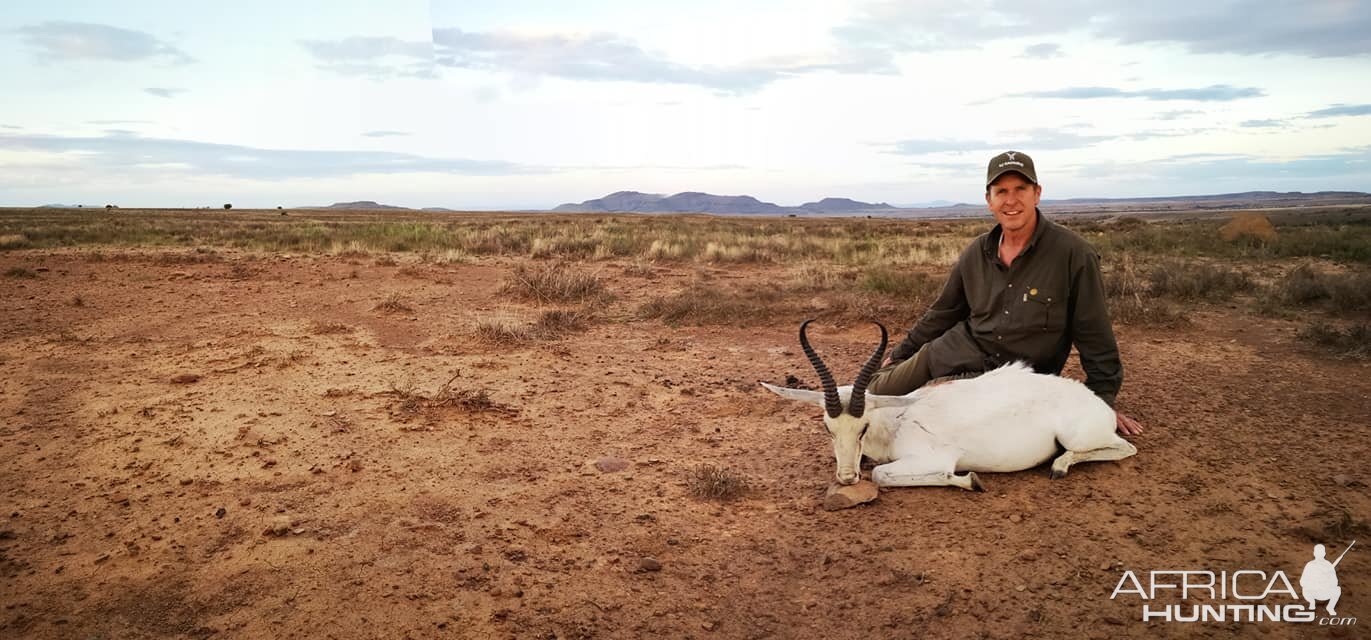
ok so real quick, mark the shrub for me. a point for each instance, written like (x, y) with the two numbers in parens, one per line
(1252, 229)
(1352, 342)
(227, 206)
(1188, 281)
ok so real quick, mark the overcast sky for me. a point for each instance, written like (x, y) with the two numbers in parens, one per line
(531, 103)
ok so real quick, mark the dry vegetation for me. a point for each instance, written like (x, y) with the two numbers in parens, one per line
(237, 424)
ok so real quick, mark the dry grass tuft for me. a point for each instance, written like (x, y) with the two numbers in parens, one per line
(708, 482)
(503, 329)
(706, 304)
(394, 303)
(1130, 302)
(555, 322)
(20, 272)
(13, 241)
(1345, 292)
(320, 328)
(556, 282)
(1353, 342)
(385, 261)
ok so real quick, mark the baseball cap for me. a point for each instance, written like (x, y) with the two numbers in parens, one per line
(1015, 161)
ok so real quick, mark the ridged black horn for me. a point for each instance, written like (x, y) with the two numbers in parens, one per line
(832, 405)
(856, 405)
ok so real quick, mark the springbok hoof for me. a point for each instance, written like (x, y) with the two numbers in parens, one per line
(975, 481)
(1057, 475)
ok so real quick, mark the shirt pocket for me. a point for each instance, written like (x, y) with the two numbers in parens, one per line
(1045, 310)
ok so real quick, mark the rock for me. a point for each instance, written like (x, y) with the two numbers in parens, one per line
(846, 496)
(185, 378)
(1028, 556)
(611, 465)
(648, 564)
(279, 527)
(1344, 480)
(1112, 620)
(1015, 518)
(219, 513)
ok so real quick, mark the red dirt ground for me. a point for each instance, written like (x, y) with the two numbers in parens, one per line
(292, 492)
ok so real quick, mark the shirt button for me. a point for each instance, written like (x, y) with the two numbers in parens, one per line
(1006, 311)
(1011, 285)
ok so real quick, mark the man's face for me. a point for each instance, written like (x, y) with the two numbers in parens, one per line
(1013, 200)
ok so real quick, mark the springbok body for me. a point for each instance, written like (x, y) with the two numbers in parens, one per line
(1008, 419)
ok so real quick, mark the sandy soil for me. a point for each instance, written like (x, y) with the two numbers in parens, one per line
(190, 450)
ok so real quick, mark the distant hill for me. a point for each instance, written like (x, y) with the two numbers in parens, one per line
(362, 204)
(697, 202)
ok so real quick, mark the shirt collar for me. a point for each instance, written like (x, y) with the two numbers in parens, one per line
(996, 235)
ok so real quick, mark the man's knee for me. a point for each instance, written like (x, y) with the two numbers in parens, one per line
(901, 378)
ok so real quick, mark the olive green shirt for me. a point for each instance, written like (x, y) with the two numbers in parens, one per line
(989, 314)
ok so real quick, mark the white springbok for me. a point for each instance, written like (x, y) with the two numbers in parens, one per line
(1009, 419)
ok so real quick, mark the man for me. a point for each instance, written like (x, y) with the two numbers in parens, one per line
(1026, 290)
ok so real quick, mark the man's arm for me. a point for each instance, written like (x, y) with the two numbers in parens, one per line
(1091, 329)
(950, 308)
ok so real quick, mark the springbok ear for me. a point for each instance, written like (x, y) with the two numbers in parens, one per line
(881, 402)
(812, 397)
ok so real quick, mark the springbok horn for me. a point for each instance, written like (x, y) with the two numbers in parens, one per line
(856, 405)
(832, 404)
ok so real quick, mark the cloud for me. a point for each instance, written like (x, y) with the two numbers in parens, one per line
(63, 40)
(377, 58)
(384, 133)
(1212, 93)
(1032, 140)
(1319, 28)
(611, 57)
(163, 92)
(1177, 114)
(1215, 173)
(1261, 124)
(118, 122)
(124, 149)
(1341, 110)
(1042, 51)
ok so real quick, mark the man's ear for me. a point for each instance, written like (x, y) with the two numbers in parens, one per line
(881, 402)
(803, 395)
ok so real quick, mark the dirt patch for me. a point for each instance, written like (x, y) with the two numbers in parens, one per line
(425, 504)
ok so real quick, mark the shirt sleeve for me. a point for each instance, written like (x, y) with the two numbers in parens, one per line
(1092, 331)
(950, 308)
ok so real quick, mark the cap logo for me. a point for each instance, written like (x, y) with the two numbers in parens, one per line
(1009, 154)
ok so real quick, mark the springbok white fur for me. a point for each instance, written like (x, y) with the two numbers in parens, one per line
(1008, 419)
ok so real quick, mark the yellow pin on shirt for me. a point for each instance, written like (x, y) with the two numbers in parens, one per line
(1032, 292)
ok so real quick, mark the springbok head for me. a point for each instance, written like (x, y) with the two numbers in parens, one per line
(846, 425)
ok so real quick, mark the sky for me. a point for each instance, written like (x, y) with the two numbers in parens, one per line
(527, 104)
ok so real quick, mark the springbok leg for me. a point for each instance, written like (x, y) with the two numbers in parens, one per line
(924, 472)
(1119, 450)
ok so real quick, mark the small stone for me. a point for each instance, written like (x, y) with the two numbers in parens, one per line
(186, 481)
(1020, 587)
(709, 625)
(649, 564)
(1112, 620)
(219, 513)
(1015, 518)
(1104, 566)
(1028, 556)
(1344, 480)
(611, 465)
(185, 378)
(279, 527)
(846, 496)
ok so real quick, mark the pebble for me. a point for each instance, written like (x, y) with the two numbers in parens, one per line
(1015, 518)
(846, 496)
(1344, 480)
(185, 378)
(611, 465)
(649, 564)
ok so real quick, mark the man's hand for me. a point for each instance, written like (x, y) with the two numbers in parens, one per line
(1126, 425)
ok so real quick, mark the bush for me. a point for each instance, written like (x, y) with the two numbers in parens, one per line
(1252, 229)
(227, 206)
(1187, 281)
(1352, 342)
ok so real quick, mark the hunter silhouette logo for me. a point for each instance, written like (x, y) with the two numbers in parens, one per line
(1319, 580)
(1244, 595)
